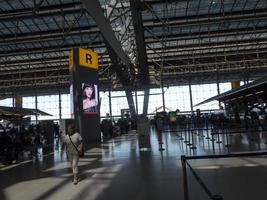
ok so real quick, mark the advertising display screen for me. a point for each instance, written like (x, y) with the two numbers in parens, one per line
(90, 98)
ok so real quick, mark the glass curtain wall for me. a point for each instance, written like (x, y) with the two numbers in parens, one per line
(155, 100)
(6, 102)
(104, 105)
(224, 87)
(201, 93)
(29, 102)
(50, 105)
(176, 97)
(118, 102)
(65, 106)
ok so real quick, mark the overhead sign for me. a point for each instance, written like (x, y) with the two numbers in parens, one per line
(88, 58)
(70, 60)
(18, 101)
(235, 84)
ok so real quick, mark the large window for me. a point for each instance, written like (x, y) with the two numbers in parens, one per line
(224, 87)
(6, 102)
(28, 102)
(65, 106)
(203, 92)
(155, 100)
(49, 104)
(118, 102)
(177, 98)
(104, 103)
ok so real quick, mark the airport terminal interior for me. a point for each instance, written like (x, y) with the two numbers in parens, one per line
(133, 99)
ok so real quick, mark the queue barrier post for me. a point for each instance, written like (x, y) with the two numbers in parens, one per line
(185, 183)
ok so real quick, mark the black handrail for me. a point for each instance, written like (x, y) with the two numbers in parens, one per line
(184, 160)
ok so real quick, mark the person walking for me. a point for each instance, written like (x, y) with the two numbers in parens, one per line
(72, 140)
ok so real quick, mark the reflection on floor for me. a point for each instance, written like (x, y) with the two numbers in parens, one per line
(117, 170)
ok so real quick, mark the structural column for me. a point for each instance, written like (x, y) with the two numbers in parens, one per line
(36, 106)
(84, 84)
(110, 105)
(163, 97)
(218, 85)
(130, 101)
(218, 82)
(146, 99)
(136, 102)
(13, 100)
(60, 108)
(191, 98)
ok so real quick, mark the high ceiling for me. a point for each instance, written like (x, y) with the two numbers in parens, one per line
(175, 42)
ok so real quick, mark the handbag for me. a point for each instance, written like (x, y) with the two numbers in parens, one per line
(79, 149)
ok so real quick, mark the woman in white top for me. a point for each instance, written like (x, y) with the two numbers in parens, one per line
(73, 155)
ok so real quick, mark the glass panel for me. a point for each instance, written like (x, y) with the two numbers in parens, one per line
(177, 98)
(49, 104)
(65, 106)
(6, 102)
(104, 106)
(28, 102)
(118, 103)
(224, 87)
(203, 92)
(155, 101)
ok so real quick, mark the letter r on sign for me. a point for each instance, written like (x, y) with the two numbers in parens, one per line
(88, 58)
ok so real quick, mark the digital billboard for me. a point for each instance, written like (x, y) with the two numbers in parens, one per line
(90, 98)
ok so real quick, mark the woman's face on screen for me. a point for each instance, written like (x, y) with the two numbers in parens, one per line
(88, 92)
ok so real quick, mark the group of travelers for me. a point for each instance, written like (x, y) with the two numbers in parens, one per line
(111, 128)
(15, 141)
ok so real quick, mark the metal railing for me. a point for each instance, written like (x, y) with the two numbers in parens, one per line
(185, 163)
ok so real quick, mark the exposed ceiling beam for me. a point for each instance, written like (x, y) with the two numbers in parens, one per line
(220, 44)
(259, 14)
(41, 50)
(42, 36)
(94, 9)
(196, 35)
(207, 36)
(206, 64)
(43, 11)
(207, 54)
(140, 41)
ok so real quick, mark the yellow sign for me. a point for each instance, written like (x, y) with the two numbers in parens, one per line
(70, 60)
(235, 84)
(88, 58)
(18, 101)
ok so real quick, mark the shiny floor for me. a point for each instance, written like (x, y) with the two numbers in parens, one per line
(117, 169)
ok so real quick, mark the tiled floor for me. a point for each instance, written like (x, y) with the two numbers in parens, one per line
(117, 170)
